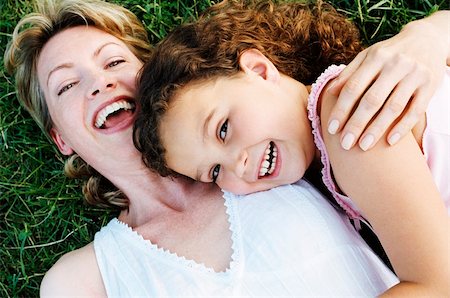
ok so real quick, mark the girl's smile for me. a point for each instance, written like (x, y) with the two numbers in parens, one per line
(247, 133)
(269, 162)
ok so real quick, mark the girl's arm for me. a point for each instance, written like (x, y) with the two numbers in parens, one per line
(410, 65)
(394, 189)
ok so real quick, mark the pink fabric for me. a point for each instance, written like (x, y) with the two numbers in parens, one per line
(330, 73)
(436, 138)
(435, 143)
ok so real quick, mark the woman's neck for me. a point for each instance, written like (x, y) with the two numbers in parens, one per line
(151, 196)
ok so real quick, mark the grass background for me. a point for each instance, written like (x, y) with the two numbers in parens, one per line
(41, 212)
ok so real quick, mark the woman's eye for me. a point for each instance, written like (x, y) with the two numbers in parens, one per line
(215, 173)
(115, 63)
(223, 130)
(65, 88)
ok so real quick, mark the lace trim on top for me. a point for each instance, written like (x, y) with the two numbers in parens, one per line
(330, 73)
(181, 260)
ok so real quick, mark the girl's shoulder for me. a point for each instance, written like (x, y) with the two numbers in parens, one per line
(319, 98)
(75, 274)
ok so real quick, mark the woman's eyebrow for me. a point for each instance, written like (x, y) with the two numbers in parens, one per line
(68, 65)
(100, 48)
(58, 67)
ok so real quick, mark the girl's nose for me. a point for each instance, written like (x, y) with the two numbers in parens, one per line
(241, 164)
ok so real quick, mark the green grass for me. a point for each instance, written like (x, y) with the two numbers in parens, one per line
(41, 212)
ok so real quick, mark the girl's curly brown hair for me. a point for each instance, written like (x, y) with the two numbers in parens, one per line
(301, 39)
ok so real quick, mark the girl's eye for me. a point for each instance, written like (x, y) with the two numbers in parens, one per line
(223, 130)
(115, 63)
(215, 173)
(65, 88)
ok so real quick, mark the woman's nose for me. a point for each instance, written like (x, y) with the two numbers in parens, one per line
(101, 84)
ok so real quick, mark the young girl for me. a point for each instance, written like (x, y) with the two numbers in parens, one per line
(237, 115)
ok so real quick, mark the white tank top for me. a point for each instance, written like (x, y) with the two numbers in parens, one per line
(287, 241)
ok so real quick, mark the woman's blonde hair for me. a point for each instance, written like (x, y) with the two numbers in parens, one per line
(30, 36)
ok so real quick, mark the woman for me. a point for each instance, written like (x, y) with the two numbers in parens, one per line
(62, 81)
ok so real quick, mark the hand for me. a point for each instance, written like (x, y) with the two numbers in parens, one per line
(395, 77)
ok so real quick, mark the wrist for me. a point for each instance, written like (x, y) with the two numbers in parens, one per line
(437, 27)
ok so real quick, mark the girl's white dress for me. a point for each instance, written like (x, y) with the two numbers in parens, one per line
(287, 242)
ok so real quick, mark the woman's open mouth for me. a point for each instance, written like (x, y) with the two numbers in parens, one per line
(114, 113)
(270, 160)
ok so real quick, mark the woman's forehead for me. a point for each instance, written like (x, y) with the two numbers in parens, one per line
(71, 46)
(76, 40)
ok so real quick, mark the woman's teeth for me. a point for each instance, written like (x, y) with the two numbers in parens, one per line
(270, 160)
(110, 109)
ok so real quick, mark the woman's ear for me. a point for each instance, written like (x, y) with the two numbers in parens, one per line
(59, 141)
(253, 61)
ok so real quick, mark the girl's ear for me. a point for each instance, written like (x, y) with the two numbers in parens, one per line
(59, 141)
(253, 61)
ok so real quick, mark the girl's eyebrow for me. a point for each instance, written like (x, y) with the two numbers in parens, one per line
(200, 171)
(206, 124)
(198, 176)
(205, 134)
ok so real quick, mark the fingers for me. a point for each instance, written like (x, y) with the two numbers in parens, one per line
(416, 110)
(394, 107)
(346, 73)
(348, 94)
(374, 95)
(411, 94)
(387, 85)
(372, 102)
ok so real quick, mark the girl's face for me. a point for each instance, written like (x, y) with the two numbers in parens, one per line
(89, 80)
(246, 133)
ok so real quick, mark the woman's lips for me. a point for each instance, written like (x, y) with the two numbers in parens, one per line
(115, 115)
(112, 114)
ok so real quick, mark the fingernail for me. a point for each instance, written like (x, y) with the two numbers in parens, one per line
(333, 126)
(366, 142)
(394, 138)
(347, 141)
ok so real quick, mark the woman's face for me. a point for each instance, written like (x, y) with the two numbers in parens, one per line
(89, 81)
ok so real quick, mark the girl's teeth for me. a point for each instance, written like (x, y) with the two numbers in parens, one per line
(268, 165)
